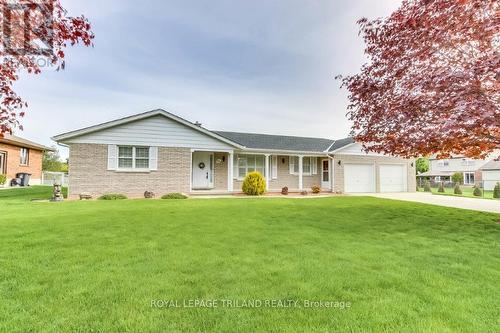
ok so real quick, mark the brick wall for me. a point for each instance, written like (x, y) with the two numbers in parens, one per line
(377, 160)
(88, 173)
(34, 166)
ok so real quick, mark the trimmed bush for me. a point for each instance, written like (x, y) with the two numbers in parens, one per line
(303, 193)
(457, 189)
(427, 186)
(254, 184)
(284, 190)
(174, 196)
(457, 178)
(112, 196)
(3, 179)
(315, 189)
(441, 187)
(477, 191)
(496, 191)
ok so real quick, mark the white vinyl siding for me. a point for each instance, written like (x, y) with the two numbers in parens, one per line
(156, 131)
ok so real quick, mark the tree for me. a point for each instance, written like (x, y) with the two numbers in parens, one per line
(51, 161)
(431, 83)
(422, 165)
(34, 33)
(457, 178)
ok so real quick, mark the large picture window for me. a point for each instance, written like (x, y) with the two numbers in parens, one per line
(133, 157)
(249, 163)
(468, 178)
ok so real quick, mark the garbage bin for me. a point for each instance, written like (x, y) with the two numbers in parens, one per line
(24, 177)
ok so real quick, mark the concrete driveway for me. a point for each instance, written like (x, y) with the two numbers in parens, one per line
(484, 205)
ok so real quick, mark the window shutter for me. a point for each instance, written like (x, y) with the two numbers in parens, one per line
(274, 169)
(153, 158)
(314, 163)
(112, 157)
(291, 163)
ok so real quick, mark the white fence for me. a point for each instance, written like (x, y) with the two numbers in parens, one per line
(51, 178)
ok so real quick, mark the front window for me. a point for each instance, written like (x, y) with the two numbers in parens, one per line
(307, 165)
(468, 178)
(249, 163)
(133, 157)
(24, 156)
(444, 163)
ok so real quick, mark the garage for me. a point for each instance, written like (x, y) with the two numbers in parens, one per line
(393, 178)
(490, 179)
(359, 178)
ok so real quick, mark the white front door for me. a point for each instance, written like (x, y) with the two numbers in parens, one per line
(325, 174)
(203, 166)
(359, 178)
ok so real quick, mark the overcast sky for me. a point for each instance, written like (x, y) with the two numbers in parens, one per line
(250, 66)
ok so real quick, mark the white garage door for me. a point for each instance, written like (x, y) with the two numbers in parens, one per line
(359, 178)
(490, 178)
(393, 178)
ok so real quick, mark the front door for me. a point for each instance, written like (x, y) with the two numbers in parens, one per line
(203, 166)
(3, 162)
(325, 174)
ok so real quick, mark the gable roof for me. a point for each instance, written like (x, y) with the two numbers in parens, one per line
(277, 142)
(20, 142)
(491, 165)
(121, 121)
(338, 144)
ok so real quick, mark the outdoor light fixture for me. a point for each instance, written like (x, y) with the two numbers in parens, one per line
(223, 158)
(412, 164)
(283, 160)
(340, 162)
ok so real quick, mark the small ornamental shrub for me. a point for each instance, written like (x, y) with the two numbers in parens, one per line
(457, 178)
(149, 195)
(477, 191)
(3, 179)
(315, 189)
(441, 187)
(112, 196)
(284, 190)
(496, 191)
(457, 189)
(254, 184)
(427, 186)
(303, 193)
(174, 196)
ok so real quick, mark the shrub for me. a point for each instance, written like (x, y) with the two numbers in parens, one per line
(112, 196)
(457, 189)
(457, 178)
(149, 195)
(441, 187)
(303, 193)
(496, 191)
(284, 190)
(477, 191)
(174, 196)
(427, 186)
(315, 189)
(3, 179)
(254, 184)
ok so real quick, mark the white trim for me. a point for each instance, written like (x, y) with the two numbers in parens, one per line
(266, 170)
(230, 170)
(336, 150)
(274, 170)
(284, 152)
(301, 182)
(329, 173)
(113, 123)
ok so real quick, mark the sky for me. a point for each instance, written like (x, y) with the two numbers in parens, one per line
(249, 66)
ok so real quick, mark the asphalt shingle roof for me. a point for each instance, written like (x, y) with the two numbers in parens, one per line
(277, 142)
(341, 143)
(491, 165)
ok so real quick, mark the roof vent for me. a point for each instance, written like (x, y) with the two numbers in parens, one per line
(198, 124)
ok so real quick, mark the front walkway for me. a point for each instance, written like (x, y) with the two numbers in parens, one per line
(484, 205)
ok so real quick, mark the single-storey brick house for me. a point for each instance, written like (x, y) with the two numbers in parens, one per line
(20, 155)
(161, 152)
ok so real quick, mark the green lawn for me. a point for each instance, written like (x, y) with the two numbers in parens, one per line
(96, 266)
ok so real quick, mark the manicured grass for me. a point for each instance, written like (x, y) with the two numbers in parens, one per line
(467, 191)
(97, 265)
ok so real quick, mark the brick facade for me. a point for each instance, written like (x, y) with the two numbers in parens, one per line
(88, 173)
(13, 165)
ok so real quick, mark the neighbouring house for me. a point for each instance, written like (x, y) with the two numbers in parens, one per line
(441, 170)
(18, 155)
(491, 174)
(161, 152)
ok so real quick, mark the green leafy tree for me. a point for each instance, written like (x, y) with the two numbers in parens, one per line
(51, 161)
(496, 191)
(422, 165)
(457, 178)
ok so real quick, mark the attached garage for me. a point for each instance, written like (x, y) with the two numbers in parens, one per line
(359, 178)
(490, 178)
(393, 178)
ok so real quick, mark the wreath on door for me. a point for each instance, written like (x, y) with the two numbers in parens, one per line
(201, 165)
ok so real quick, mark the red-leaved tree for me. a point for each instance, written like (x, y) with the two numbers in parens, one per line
(432, 83)
(34, 33)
